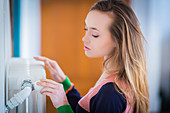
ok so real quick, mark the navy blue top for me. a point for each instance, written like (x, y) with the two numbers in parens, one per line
(107, 100)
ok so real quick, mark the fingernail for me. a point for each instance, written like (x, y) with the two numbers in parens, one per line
(41, 79)
(39, 82)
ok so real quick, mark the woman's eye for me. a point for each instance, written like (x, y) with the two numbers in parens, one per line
(95, 36)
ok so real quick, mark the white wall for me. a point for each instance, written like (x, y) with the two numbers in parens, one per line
(2, 69)
(5, 47)
(30, 29)
(154, 18)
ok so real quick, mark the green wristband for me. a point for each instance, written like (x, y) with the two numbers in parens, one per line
(66, 84)
(65, 109)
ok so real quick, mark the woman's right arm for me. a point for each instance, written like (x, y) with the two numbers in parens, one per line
(58, 75)
(72, 94)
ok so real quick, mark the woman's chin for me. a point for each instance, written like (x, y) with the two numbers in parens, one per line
(89, 55)
(92, 55)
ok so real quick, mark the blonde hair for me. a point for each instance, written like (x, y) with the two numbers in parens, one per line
(129, 53)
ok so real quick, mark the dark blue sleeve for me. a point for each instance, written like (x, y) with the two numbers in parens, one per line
(108, 100)
(73, 97)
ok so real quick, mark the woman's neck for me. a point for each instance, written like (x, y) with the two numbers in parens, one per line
(106, 73)
(103, 76)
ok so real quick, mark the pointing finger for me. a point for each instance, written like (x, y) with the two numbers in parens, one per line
(49, 81)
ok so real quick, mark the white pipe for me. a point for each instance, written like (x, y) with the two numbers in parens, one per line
(19, 97)
(26, 105)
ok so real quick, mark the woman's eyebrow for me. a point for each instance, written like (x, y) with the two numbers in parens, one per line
(92, 27)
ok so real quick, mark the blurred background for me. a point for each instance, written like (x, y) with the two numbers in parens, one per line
(54, 29)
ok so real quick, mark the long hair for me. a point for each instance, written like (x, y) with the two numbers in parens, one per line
(129, 53)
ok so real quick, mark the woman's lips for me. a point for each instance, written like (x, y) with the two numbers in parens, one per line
(86, 48)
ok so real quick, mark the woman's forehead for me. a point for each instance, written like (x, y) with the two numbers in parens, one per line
(98, 19)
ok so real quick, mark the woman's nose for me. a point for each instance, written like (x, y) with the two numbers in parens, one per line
(85, 39)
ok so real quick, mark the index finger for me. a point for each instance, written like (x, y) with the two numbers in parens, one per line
(40, 58)
(49, 81)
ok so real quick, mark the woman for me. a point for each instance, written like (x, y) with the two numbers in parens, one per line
(112, 32)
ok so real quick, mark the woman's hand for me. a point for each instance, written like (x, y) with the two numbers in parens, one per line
(56, 72)
(55, 91)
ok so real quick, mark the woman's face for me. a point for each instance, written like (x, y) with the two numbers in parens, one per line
(97, 40)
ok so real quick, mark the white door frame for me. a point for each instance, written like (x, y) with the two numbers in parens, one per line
(5, 47)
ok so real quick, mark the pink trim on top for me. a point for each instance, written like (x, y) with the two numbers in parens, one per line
(129, 109)
(111, 76)
(84, 102)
